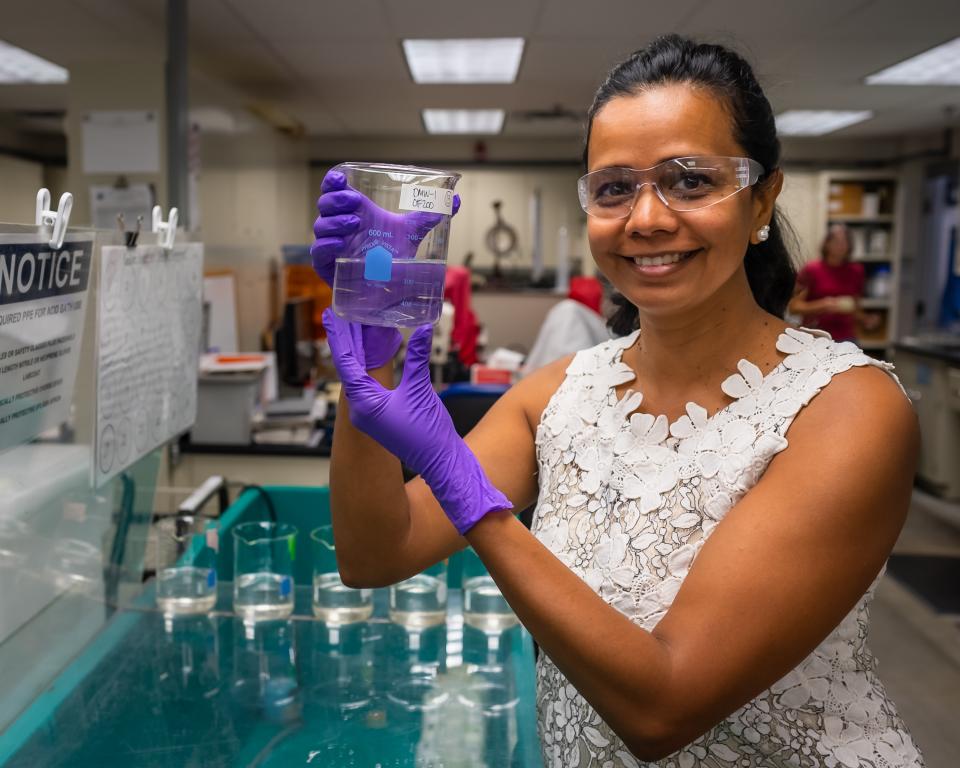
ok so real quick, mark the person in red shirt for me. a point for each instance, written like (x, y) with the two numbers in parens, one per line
(828, 291)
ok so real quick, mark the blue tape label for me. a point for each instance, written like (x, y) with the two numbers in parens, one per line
(212, 578)
(285, 586)
(378, 264)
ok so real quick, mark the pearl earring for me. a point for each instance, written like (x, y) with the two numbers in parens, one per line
(763, 233)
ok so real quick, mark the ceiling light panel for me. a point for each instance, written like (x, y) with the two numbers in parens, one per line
(475, 121)
(20, 66)
(813, 122)
(938, 66)
(491, 60)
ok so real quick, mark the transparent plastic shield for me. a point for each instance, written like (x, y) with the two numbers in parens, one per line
(72, 550)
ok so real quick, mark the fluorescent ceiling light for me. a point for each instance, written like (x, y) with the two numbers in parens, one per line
(938, 66)
(814, 122)
(20, 66)
(463, 120)
(491, 60)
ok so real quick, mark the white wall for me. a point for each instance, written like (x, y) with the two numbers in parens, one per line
(802, 204)
(18, 190)
(254, 193)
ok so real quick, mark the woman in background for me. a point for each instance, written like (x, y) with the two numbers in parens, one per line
(829, 289)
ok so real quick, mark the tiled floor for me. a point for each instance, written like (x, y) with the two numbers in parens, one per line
(918, 649)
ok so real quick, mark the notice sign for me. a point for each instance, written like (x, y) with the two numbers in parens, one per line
(148, 345)
(43, 302)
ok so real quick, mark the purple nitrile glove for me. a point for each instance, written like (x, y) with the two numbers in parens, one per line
(346, 220)
(412, 423)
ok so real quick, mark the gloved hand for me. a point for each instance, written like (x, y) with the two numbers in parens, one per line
(412, 423)
(345, 221)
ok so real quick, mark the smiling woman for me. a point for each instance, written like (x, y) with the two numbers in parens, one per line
(704, 545)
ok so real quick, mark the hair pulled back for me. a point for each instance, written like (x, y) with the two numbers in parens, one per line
(674, 59)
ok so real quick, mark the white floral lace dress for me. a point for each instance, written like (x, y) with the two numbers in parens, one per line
(626, 502)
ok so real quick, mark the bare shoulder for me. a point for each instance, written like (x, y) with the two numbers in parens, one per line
(864, 397)
(858, 439)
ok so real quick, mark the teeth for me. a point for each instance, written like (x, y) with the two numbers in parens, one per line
(657, 261)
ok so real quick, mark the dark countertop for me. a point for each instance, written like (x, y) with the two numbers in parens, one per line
(946, 352)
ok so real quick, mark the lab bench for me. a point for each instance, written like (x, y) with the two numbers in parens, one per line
(164, 692)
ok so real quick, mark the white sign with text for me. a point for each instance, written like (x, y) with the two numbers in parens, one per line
(43, 303)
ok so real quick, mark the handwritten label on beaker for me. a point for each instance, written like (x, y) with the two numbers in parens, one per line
(429, 199)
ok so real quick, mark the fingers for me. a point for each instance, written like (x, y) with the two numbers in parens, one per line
(333, 181)
(418, 354)
(324, 255)
(347, 349)
(420, 223)
(343, 201)
(334, 226)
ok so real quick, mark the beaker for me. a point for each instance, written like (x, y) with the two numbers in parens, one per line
(184, 554)
(393, 267)
(333, 601)
(484, 607)
(421, 601)
(263, 555)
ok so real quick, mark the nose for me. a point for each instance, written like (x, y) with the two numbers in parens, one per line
(649, 213)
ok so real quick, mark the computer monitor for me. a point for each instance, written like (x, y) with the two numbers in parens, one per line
(293, 342)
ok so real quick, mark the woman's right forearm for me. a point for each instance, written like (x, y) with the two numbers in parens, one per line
(367, 497)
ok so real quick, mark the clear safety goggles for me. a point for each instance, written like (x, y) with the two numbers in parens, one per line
(682, 184)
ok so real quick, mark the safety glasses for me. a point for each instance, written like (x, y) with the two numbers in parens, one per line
(682, 184)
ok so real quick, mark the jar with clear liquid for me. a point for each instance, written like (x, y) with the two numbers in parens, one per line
(333, 602)
(263, 587)
(420, 601)
(484, 607)
(184, 557)
(393, 268)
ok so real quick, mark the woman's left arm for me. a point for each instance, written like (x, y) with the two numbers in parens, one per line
(776, 576)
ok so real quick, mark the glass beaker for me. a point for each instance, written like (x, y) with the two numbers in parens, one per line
(185, 558)
(484, 608)
(266, 671)
(333, 601)
(393, 269)
(421, 601)
(263, 554)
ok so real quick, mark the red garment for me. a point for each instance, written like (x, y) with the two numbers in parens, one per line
(456, 290)
(822, 280)
(586, 290)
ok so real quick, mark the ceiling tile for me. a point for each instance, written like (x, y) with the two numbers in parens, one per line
(309, 21)
(453, 18)
(603, 18)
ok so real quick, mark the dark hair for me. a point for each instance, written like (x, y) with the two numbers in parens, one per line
(832, 231)
(674, 59)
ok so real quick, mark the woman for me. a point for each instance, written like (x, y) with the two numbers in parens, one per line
(828, 291)
(696, 575)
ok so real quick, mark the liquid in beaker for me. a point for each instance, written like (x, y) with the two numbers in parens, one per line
(420, 601)
(333, 601)
(484, 608)
(263, 571)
